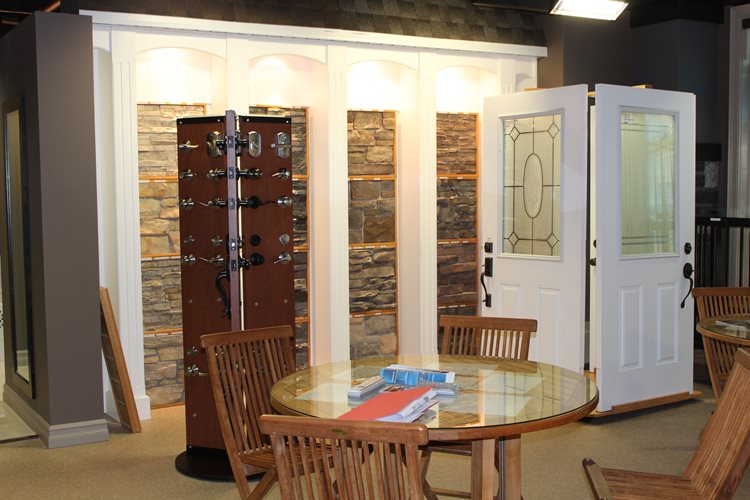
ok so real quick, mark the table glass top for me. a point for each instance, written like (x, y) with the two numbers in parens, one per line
(492, 392)
(732, 326)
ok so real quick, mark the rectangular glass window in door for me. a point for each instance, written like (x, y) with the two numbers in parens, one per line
(531, 185)
(647, 191)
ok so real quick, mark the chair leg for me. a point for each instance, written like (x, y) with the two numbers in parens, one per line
(597, 482)
(263, 485)
(424, 463)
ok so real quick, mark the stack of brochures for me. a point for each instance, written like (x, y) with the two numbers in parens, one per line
(401, 406)
(365, 387)
(409, 375)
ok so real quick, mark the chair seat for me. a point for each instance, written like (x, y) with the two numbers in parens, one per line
(259, 458)
(629, 485)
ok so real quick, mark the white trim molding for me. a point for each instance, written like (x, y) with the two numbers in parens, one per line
(312, 34)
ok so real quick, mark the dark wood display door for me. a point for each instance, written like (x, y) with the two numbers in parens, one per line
(204, 230)
(266, 230)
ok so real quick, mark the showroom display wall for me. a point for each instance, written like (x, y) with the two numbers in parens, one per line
(232, 65)
(373, 254)
(160, 249)
(457, 231)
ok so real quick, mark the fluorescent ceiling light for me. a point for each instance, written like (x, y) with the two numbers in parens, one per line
(596, 9)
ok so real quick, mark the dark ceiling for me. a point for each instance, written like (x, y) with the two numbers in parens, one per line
(642, 12)
(13, 12)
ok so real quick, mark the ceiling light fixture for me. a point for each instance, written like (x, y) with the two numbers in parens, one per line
(595, 9)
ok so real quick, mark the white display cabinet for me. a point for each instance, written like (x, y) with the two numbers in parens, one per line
(225, 65)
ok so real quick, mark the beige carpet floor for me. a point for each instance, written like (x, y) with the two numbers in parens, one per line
(141, 466)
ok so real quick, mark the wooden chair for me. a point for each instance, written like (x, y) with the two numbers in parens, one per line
(346, 459)
(478, 336)
(719, 461)
(243, 366)
(720, 301)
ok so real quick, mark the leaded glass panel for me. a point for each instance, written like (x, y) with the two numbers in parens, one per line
(531, 185)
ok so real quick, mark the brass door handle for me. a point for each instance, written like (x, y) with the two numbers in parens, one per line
(194, 371)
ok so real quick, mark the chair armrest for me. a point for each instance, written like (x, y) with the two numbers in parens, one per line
(597, 482)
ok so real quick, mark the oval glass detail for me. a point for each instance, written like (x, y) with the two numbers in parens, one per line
(532, 186)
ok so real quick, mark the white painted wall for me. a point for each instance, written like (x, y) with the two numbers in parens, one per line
(141, 58)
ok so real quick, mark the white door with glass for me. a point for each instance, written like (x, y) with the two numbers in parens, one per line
(644, 192)
(533, 211)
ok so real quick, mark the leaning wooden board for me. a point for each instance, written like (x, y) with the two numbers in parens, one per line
(118, 371)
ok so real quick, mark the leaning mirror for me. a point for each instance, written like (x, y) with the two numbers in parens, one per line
(18, 277)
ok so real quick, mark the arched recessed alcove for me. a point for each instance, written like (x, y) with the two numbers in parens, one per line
(180, 75)
(285, 80)
(461, 89)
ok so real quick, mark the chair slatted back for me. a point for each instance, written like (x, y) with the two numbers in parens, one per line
(720, 301)
(329, 458)
(243, 366)
(724, 450)
(487, 336)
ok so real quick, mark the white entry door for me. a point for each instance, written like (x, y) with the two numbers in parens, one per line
(533, 211)
(645, 183)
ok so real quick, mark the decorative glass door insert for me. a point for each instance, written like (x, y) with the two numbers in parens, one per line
(647, 190)
(531, 185)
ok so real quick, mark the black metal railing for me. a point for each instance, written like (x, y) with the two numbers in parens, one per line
(722, 251)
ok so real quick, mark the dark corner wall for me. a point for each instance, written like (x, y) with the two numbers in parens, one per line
(668, 47)
(46, 62)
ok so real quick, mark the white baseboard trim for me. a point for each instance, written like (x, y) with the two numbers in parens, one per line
(142, 403)
(60, 435)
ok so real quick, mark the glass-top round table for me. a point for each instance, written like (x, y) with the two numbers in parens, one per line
(497, 398)
(735, 328)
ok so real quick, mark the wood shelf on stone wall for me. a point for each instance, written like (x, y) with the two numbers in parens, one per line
(157, 178)
(159, 256)
(163, 331)
(375, 177)
(457, 241)
(361, 246)
(458, 177)
(378, 312)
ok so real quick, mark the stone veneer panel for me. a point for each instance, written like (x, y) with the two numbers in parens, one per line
(162, 294)
(160, 218)
(164, 369)
(300, 285)
(302, 352)
(457, 273)
(299, 197)
(372, 279)
(373, 336)
(157, 136)
(372, 212)
(456, 208)
(299, 133)
(456, 143)
(371, 142)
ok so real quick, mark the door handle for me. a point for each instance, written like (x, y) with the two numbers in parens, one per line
(687, 273)
(592, 261)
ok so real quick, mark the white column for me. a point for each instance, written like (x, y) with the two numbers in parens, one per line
(427, 228)
(329, 318)
(238, 88)
(126, 248)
